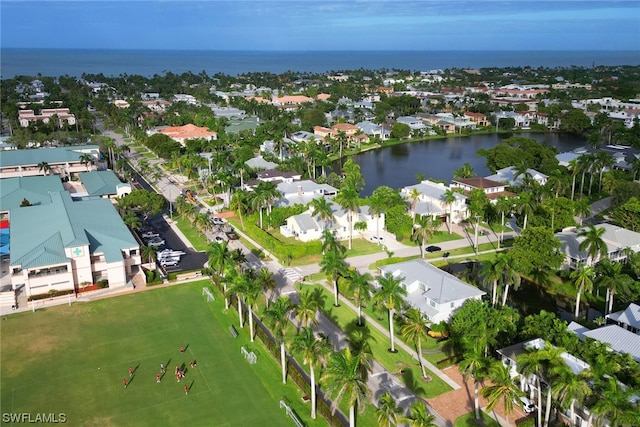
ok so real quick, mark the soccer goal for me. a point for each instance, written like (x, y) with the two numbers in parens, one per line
(207, 293)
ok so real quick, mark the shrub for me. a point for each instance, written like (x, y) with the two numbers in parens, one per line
(102, 284)
(51, 294)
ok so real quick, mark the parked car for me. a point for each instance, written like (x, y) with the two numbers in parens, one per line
(379, 239)
(433, 248)
(217, 221)
(170, 262)
(155, 243)
(218, 239)
(527, 405)
(150, 234)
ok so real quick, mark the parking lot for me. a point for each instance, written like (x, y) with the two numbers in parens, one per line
(191, 260)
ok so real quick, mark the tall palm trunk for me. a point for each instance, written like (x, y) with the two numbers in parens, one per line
(578, 303)
(283, 361)
(393, 347)
(494, 293)
(506, 293)
(573, 186)
(424, 372)
(226, 298)
(547, 410)
(240, 312)
(250, 323)
(335, 292)
(313, 390)
(476, 398)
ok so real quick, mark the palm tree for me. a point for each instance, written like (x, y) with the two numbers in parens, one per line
(526, 206)
(414, 196)
(574, 168)
(252, 291)
(330, 243)
(132, 220)
(531, 364)
(44, 168)
(312, 350)
(554, 367)
(391, 297)
(449, 197)
(348, 198)
(268, 284)
(414, 330)
(86, 159)
(219, 257)
(419, 416)
(333, 265)
(388, 412)
(423, 229)
(570, 389)
(377, 206)
(491, 273)
(360, 286)
(465, 171)
(148, 252)
(503, 389)
(615, 402)
(475, 365)
(307, 308)
(343, 378)
(609, 274)
(259, 200)
(509, 275)
(322, 210)
(593, 244)
(504, 205)
(277, 317)
(582, 209)
(238, 284)
(239, 203)
(583, 279)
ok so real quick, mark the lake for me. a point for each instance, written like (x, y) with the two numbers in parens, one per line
(397, 166)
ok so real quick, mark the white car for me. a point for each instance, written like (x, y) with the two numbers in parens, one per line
(149, 235)
(217, 221)
(218, 239)
(171, 262)
(377, 239)
(155, 243)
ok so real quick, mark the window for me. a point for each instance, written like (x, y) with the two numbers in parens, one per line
(432, 303)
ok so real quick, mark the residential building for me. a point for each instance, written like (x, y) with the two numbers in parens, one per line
(616, 337)
(436, 293)
(431, 201)
(67, 161)
(306, 227)
(373, 130)
(508, 176)
(493, 189)
(190, 131)
(259, 163)
(302, 192)
(478, 118)
(26, 117)
(629, 319)
(617, 239)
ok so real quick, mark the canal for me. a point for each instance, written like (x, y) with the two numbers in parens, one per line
(396, 166)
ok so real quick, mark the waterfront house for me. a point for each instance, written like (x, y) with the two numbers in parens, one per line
(436, 293)
(493, 189)
(508, 176)
(617, 239)
(431, 201)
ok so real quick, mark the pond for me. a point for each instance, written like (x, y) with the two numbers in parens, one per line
(396, 166)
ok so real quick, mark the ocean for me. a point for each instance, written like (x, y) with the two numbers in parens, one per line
(75, 62)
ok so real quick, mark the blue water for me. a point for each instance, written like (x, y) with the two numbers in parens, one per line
(75, 62)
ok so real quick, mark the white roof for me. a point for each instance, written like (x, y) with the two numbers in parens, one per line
(629, 316)
(620, 340)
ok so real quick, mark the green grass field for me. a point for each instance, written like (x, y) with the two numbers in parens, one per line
(73, 360)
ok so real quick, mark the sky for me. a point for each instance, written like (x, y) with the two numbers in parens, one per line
(310, 25)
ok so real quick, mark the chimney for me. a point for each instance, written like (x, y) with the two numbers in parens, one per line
(299, 190)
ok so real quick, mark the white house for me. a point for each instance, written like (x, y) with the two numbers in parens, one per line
(508, 176)
(307, 227)
(616, 238)
(302, 192)
(436, 293)
(431, 201)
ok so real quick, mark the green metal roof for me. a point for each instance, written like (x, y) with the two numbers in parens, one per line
(236, 125)
(52, 156)
(93, 222)
(100, 183)
(35, 189)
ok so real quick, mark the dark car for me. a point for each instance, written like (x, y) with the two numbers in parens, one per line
(433, 248)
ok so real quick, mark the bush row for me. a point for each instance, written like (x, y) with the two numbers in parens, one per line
(52, 293)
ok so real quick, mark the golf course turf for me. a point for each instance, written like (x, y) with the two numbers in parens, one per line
(72, 360)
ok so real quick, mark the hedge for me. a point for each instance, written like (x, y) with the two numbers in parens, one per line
(51, 294)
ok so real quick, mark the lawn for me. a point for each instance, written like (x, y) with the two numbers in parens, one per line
(73, 360)
(198, 241)
(345, 318)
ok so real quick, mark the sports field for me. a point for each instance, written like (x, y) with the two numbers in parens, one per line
(73, 360)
